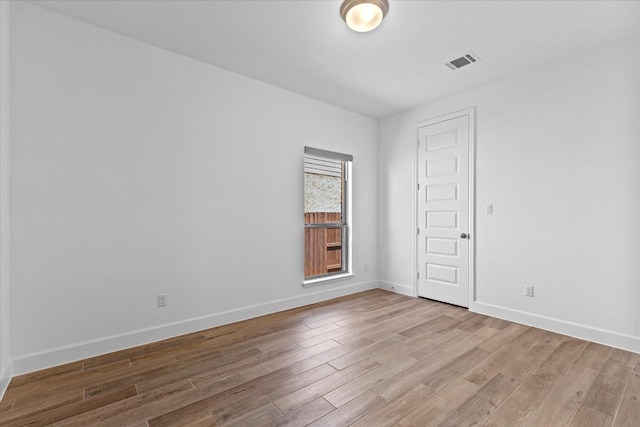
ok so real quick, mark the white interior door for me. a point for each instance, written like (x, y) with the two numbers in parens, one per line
(444, 210)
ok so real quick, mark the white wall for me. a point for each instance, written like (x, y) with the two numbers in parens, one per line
(638, 195)
(5, 238)
(557, 154)
(136, 171)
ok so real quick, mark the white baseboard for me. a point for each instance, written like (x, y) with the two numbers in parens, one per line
(5, 379)
(397, 288)
(589, 333)
(61, 355)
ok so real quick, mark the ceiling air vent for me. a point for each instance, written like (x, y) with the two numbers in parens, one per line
(462, 61)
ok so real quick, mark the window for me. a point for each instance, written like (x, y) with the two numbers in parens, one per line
(327, 216)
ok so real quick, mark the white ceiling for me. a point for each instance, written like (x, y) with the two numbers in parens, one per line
(304, 46)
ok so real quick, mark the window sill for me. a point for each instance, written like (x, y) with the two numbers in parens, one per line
(322, 280)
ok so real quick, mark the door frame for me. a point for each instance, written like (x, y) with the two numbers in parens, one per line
(471, 112)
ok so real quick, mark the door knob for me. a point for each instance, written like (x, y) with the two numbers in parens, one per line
(464, 235)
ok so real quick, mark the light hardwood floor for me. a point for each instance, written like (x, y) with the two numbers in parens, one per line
(370, 359)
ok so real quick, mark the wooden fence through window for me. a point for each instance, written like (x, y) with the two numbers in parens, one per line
(322, 246)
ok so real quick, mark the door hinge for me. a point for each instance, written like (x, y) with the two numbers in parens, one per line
(418, 230)
(418, 186)
(418, 274)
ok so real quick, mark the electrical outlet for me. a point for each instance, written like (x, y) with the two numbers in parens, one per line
(162, 300)
(528, 291)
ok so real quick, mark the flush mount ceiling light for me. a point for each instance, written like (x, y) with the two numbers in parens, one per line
(363, 15)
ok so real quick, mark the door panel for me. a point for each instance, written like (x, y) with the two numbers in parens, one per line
(443, 211)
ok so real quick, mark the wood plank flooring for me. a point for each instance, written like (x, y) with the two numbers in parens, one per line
(370, 359)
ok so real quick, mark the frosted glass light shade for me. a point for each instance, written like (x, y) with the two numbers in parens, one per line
(363, 15)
